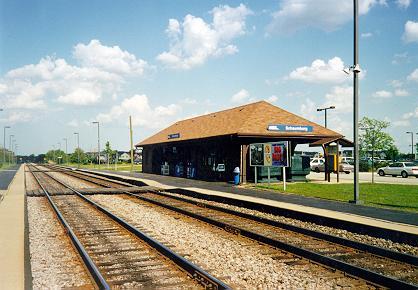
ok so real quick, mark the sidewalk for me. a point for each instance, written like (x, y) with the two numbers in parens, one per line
(12, 235)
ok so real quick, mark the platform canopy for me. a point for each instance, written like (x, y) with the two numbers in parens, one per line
(255, 120)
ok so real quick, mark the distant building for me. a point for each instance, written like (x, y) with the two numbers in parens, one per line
(124, 157)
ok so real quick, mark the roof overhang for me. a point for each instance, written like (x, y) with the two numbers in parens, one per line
(326, 141)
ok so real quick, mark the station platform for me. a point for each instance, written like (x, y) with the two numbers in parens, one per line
(12, 234)
(372, 216)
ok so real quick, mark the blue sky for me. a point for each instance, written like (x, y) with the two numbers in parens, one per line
(64, 64)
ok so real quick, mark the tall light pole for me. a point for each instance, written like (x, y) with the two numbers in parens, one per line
(355, 68)
(10, 147)
(66, 151)
(12, 150)
(16, 146)
(98, 142)
(4, 143)
(78, 147)
(325, 109)
(412, 144)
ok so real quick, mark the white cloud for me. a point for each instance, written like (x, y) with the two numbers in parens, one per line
(294, 15)
(108, 58)
(366, 35)
(396, 83)
(73, 123)
(18, 117)
(401, 123)
(308, 110)
(101, 73)
(399, 58)
(193, 41)
(403, 3)
(341, 98)
(411, 32)
(413, 76)
(382, 94)
(189, 101)
(241, 97)
(401, 93)
(410, 115)
(272, 99)
(80, 96)
(321, 72)
(142, 113)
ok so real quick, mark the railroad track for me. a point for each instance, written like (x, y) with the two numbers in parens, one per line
(115, 253)
(378, 265)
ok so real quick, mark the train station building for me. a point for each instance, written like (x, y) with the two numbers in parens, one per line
(210, 147)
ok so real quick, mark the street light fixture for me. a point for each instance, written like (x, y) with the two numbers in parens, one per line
(10, 147)
(66, 151)
(412, 144)
(325, 109)
(78, 147)
(98, 143)
(4, 143)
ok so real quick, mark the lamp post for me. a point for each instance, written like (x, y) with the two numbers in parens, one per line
(4, 143)
(325, 109)
(98, 143)
(10, 147)
(412, 144)
(12, 150)
(78, 147)
(66, 151)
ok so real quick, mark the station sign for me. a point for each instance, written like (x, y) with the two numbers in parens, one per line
(289, 128)
(174, 136)
(274, 154)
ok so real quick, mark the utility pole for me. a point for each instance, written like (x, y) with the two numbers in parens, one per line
(356, 69)
(132, 144)
(66, 151)
(78, 147)
(412, 144)
(4, 143)
(98, 143)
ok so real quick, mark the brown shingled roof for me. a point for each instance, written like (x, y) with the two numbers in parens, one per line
(248, 120)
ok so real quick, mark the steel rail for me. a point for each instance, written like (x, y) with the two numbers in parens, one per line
(324, 260)
(90, 265)
(394, 255)
(196, 272)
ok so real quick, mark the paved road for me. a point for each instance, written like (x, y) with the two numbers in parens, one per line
(365, 177)
(6, 176)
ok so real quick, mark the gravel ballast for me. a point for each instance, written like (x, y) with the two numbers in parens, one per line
(54, 262)
(236, 260)
(379, 242)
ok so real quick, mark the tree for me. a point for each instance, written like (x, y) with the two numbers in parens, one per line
(56, 156)
(372, 137)
(109, 152)
(392, 153)
(78, 152)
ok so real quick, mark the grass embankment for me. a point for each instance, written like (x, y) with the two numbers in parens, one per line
(6, 166)
(392, 196)
(120, 167)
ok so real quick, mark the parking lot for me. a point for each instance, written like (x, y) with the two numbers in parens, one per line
(364, 177)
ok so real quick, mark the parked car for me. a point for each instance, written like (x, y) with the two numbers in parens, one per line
(344, 167)
(349, 160)
(316, 163)
(403, 169)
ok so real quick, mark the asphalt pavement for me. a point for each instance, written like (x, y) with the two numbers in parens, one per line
(364, 177)
(6, 176)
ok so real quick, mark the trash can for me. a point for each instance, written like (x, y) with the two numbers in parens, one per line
(236, 175)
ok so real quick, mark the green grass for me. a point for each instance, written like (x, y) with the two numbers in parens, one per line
(6, 166)
(120, 167)
(392, 196)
